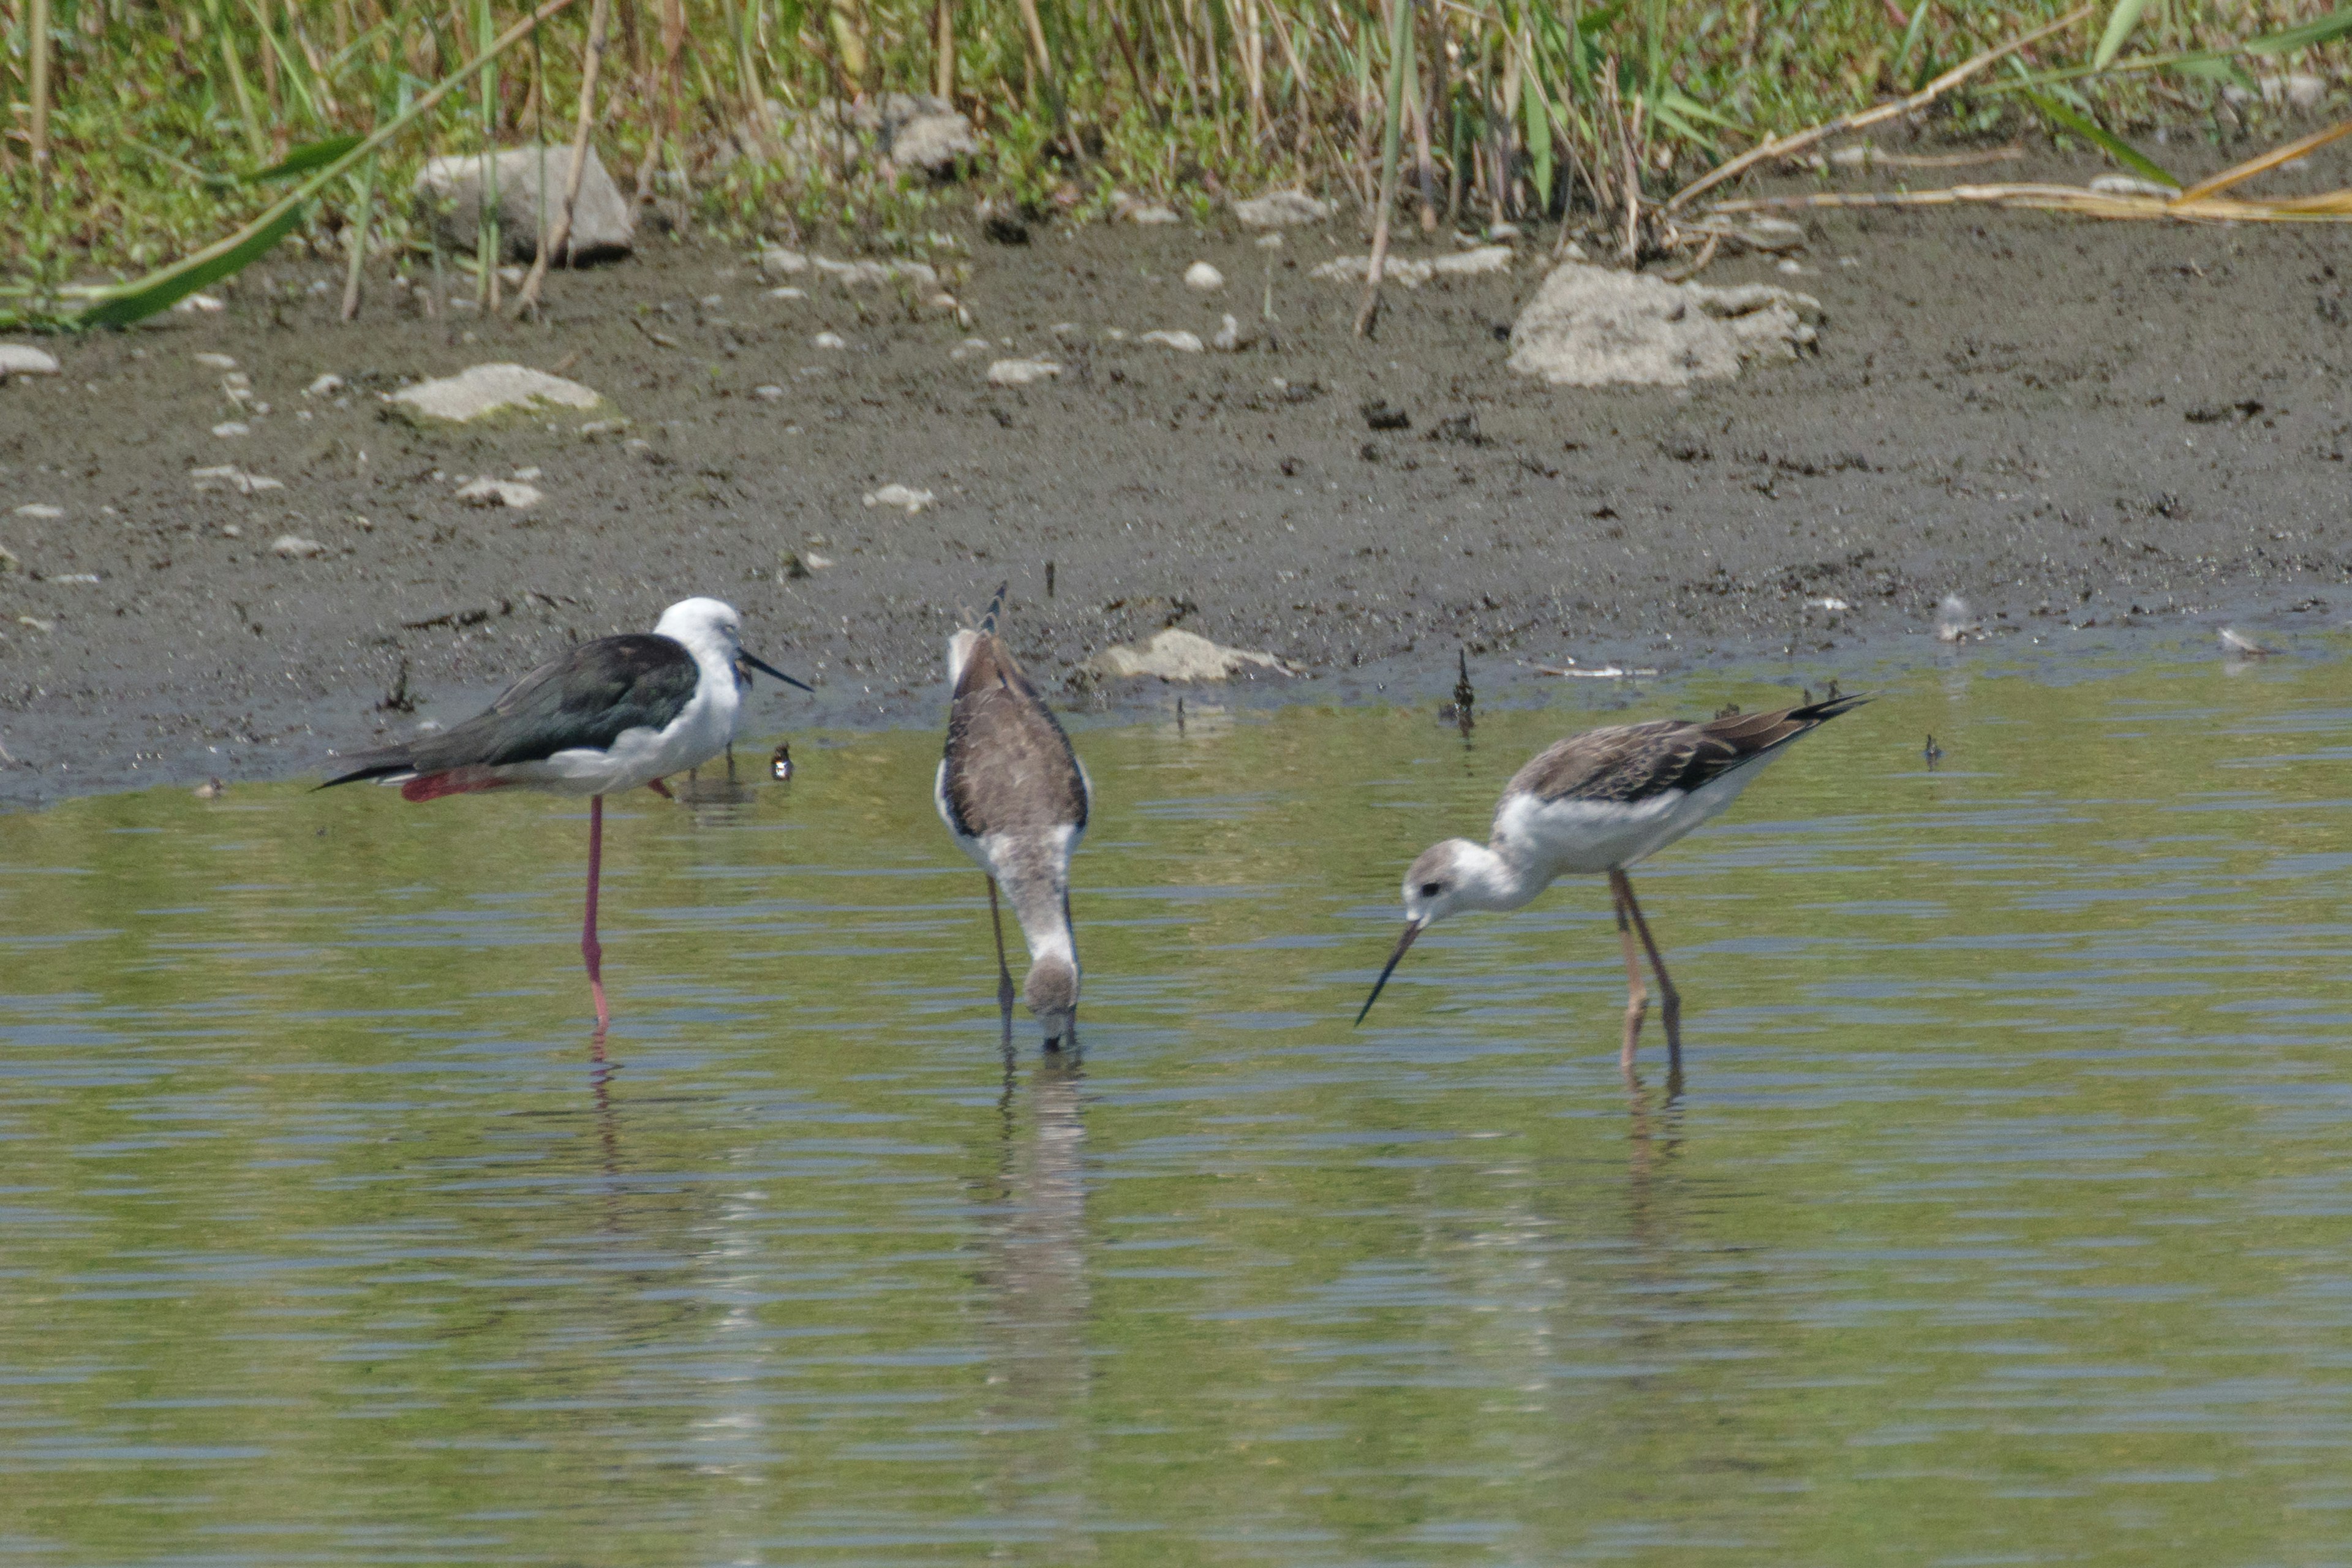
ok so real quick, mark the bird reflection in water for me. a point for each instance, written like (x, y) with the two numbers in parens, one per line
(1040, 1374)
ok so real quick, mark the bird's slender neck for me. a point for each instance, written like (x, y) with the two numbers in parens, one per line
(1494, 877)
(1041, 902)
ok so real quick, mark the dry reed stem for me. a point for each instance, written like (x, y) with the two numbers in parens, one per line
(559, 233)
(2328, 206)
(1781, 146)
(2239, 173)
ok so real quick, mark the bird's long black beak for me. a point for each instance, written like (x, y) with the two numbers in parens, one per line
(1412, 929)
(766, 669)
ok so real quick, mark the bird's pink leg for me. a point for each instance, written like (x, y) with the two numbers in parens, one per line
(1637, 995)
(1670, 1011)
(590, 948)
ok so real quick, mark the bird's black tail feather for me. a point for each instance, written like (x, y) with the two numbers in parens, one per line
(995, 607)
(373, 765)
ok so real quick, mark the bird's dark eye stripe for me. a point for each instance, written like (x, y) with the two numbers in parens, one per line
(1431, 889)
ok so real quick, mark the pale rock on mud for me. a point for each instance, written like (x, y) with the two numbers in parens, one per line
(1412, 272)
(23, 359)
(912, 131)
(38, 509)
(327, 386)
(1149, 213)
(828, 341)
(1203, 277)
(483, 390)
(512, 494)
(214, 361)
(294, 547)
(1022, 372)
(904, 497)
(1591, 326)
(1280, 209)
(230, 477)
(1181, 341)
(1179, 654)
(448, 196)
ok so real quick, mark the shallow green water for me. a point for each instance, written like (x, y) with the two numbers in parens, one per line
(2004, 1219)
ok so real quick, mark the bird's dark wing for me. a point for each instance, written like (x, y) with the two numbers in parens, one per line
(1630, 762)
(587, 697)
(1009, 765)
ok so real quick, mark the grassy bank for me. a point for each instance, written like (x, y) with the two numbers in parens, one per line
(155, 114)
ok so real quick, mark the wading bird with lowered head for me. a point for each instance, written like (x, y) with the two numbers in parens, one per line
(1012, 795)
(1596, 803)
(609, 715)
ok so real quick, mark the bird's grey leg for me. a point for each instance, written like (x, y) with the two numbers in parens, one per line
(1637, 995)
(1670, 1011)
(591, 948)
(1004, 971)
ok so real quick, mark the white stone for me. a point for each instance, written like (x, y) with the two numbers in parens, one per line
(1476, 261)
(39, 509)
(970, 347)
(325, 386)
(229, 428)
(1151, 212)
(200, 305)
(1181, 341)
(294, 547)
(1022, 372)
(768, 394)
(2296, 89)
(228, 477)
(787, 293)
(215, 362)
(1229, 336)
(828, 341)
(1590, 326)
(776, 261)
(1270, 241)
(1773, 234)
(1203, 277)
(1278, 209)
(905, 498)
(488, 389)
(1179, 654)
(24, 358)
(448, 195)
(509, 493)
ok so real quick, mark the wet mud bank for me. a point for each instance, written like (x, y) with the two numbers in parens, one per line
(2077, 427)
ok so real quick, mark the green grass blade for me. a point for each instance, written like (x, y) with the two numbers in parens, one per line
(305, 158)
(2099, 136)
(2120, 23)
(167, 289)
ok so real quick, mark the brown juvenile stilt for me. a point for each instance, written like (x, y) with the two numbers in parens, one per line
(1594, 804)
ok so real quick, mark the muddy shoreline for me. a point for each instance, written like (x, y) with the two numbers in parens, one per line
(2084, 428)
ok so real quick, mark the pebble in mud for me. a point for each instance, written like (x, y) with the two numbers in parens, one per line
(1203, 277)
(483, 390)
(1181, 341)
(828, 341)
(512, 494)
(904, 497)
(1022, 372)
(23, 359)
(294, 547)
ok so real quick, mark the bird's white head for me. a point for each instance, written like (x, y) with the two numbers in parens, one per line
(1052, 993)
(709, 628)
(1455, 875)
(1444, 878)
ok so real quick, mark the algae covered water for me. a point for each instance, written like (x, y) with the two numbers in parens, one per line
(2004, 1216)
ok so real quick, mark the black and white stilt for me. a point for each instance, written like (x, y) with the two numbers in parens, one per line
(608, 715)
(1596, 804)
(1013, 793)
